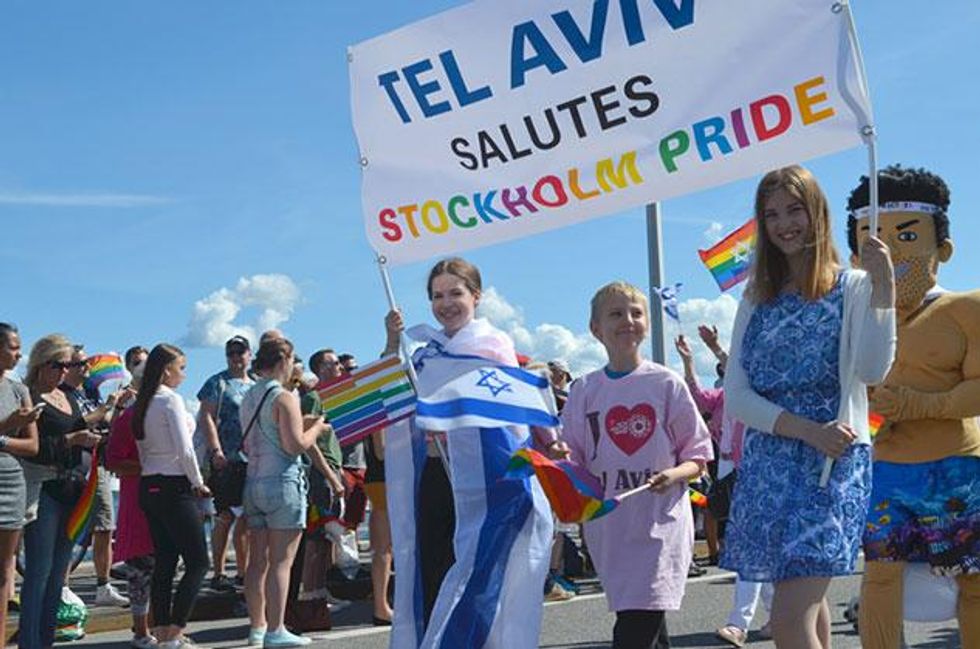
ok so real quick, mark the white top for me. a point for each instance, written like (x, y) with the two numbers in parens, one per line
(867, 349)
(167, 448)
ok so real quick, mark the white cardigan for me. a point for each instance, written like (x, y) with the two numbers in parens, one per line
(867, 349)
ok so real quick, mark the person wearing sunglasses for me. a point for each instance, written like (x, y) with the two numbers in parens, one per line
(54, 484)
(98, 416)
(221, 398)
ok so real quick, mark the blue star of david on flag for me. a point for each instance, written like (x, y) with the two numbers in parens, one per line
(483, 397)
(669, 298)
(490, 380)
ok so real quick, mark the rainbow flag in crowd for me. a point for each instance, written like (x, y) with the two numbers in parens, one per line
(874, 423)
(102, 368)
(368, 399)
(574, 493)
(317, 516)
(729, 259)
(698, 499)
(81, 514)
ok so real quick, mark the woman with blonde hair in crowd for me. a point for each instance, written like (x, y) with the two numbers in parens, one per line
(170, 485)
(274, 438)
(809, 337)
(54, 484)
(18, 438)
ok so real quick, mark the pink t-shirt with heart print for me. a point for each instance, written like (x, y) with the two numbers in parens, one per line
(624, 430)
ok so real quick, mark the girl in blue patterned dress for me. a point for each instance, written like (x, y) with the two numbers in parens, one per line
(808, 339)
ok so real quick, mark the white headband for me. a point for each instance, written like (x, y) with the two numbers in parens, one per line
(898, 206)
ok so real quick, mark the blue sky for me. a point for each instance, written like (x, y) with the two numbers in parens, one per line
(158, 156)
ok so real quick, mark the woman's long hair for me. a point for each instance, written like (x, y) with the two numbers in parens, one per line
(160, 357)
(770, 270)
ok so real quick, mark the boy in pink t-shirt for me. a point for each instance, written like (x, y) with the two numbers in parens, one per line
(630, 423)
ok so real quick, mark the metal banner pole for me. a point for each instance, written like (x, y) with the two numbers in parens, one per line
(440, 443)
(655, 267)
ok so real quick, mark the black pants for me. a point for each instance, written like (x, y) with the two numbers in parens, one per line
(175, 525)
(435, 530)
(640, 630)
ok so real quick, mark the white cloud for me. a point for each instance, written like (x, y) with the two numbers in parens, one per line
(714, 233)
(543, 342)
(81, 200)
(547, 341)
(213, 319)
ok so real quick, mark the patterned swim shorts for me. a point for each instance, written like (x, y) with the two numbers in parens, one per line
(926, 513)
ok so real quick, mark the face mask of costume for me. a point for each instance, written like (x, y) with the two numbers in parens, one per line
(910, 233)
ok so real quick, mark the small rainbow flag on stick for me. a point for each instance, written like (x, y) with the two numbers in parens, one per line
(368, 399)
(102, 368)
(729, 259)
(698, 499)
(874, 423)
(574, 493)
(81, 514)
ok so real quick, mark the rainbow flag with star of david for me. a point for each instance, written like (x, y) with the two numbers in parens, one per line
(729, 259)
(368, 399)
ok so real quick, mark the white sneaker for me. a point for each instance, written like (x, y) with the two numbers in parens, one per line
(143, 642)
(69, 596)
(107, 595)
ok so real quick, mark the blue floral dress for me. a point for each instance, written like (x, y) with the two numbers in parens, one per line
(783, 525)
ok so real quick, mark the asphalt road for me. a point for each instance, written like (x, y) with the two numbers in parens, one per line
(583, 623)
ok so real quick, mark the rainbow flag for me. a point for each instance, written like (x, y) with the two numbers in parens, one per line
(102, 368)
(574, 493)
(81, 514)
(368, 399)
(698, 499)
(729, 259)
(317, 516)
(874, 423)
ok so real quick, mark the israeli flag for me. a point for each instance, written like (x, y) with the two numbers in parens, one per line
(487, 397)
(491, 598)
(669, 296)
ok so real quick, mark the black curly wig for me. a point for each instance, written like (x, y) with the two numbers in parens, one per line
(898, 183)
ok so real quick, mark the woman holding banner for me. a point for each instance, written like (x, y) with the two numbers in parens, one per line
(807, 341)
(475, 552)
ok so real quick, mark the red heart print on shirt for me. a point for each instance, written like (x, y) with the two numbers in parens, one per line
(629, 429)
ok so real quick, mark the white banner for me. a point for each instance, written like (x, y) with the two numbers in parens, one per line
(501, 119)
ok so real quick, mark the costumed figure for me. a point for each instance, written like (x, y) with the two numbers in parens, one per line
(471, 550)
(925, 503)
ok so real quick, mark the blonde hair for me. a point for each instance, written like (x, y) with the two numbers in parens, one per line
(44, 351)
(770, 270)
(618, 287)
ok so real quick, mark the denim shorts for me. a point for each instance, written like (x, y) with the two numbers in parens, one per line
(277, 503)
